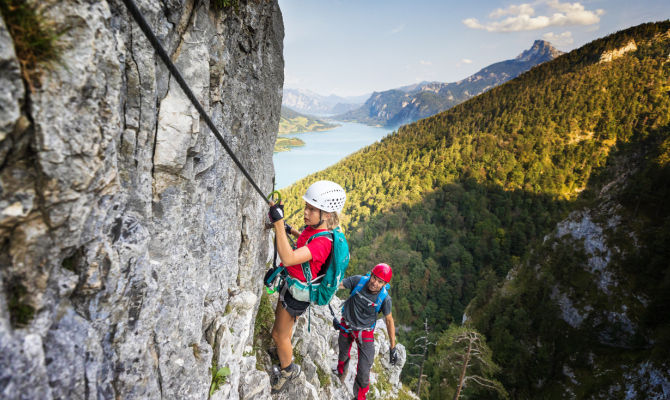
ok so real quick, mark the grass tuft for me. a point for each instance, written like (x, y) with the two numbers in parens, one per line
(36, 41)
(224, 4)
(20, 312)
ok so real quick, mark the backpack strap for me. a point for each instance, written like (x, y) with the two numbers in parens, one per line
(361, 282)
(380, 297)
(307, 271)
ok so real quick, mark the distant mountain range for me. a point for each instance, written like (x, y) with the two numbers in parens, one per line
(306, 101)
(410, 103)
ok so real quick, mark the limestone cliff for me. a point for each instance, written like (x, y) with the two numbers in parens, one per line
(131, 245)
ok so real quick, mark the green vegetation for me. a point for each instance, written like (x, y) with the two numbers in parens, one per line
(285, 144)
(456, 201)
(294, 122)
(528, 334)
(218, 377)
(225, 4)
(20, 312)
(324, 377)
(464, 366)
(36, 40)
(382, 383)
(297, 355)
(263, 328)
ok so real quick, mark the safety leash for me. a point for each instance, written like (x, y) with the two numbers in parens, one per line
(158, 47)
(336, 322)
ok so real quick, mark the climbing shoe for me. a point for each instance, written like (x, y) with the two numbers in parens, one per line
(279, 377)
(341, 369)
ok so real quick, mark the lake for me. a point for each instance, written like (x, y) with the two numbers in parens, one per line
(323, 149)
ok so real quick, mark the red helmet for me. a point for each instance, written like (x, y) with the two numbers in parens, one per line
(383, 272)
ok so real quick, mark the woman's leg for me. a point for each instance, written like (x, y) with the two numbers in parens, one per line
(281, 334)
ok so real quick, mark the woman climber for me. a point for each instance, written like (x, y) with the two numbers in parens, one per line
(323, 203)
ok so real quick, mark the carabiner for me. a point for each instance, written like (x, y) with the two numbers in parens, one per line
(271, 196)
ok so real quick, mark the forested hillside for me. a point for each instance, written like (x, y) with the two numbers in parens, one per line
(455, 201)
(588, 310)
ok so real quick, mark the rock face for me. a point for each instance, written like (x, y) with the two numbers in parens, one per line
(612, 55)
(131, 245)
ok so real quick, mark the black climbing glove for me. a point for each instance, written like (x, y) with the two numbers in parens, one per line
(336, 324)
(268, 275)
(276, 213)
(393, 356)
(288, 228)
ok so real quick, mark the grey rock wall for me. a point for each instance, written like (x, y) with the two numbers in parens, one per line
(130, 244)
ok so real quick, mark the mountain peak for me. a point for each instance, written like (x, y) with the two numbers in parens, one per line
(540, 51)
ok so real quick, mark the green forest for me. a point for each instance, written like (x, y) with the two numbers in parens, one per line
(460, 204)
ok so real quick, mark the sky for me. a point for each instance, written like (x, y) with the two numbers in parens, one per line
(355, 47)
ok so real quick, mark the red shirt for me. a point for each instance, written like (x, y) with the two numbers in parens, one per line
(320, 249)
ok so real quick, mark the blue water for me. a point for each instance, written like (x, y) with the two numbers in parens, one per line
(323, 149)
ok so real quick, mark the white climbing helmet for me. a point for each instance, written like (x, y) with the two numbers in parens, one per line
(326, 195)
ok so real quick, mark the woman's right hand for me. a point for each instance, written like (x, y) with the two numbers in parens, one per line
(276, 212)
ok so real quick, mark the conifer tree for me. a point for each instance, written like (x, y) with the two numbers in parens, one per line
(466, 362)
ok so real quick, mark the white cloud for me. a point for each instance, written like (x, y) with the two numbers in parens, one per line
(522, 17)
(464, 61)
(397, 29)
(560, 40)
(424, 62)
(521, 9)
(473, 23)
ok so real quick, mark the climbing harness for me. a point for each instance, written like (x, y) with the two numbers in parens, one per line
(155, 43)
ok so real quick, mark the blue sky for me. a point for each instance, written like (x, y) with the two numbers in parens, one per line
(349, 47)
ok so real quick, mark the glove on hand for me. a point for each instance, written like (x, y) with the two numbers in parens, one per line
(276, 212)
(393, 356)
(288, 228)
(336, 324)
